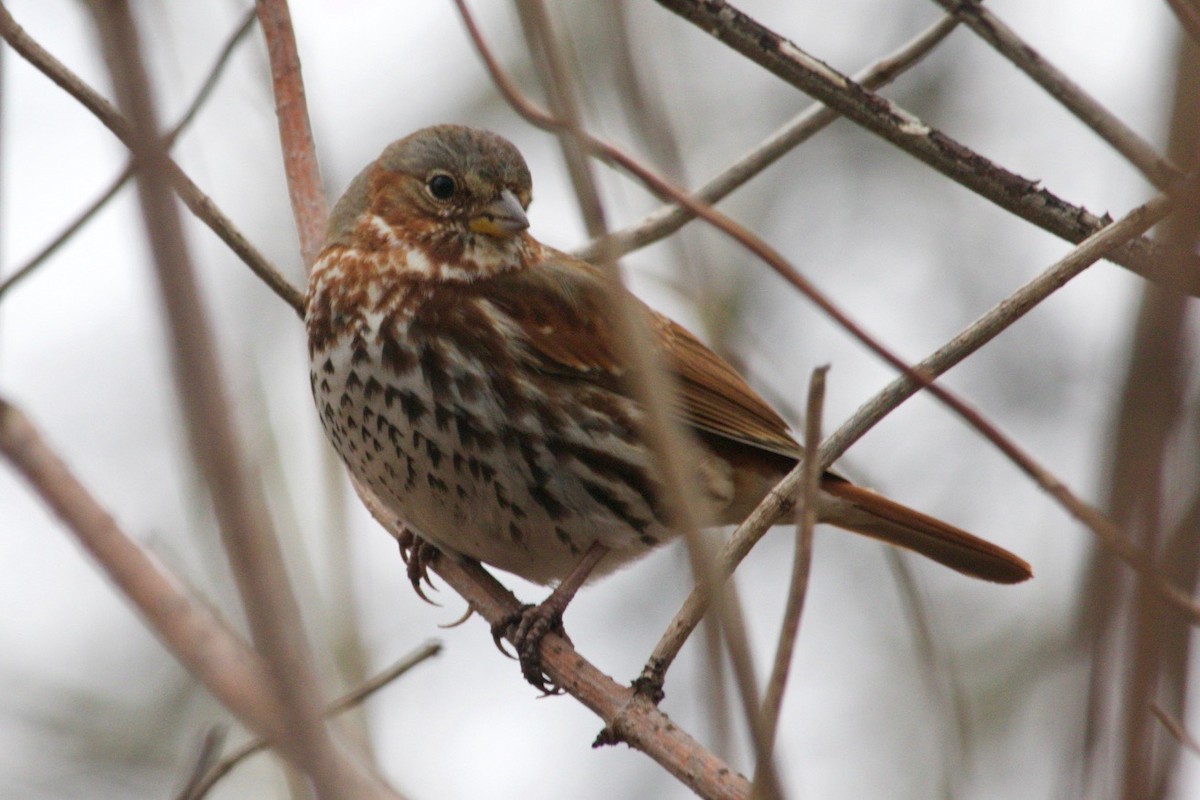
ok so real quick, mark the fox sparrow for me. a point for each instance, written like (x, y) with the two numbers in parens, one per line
(468, 375)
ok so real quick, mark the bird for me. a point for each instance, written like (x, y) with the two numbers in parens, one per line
(471, 378)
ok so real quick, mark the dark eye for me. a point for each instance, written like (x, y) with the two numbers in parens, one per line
(441, 186)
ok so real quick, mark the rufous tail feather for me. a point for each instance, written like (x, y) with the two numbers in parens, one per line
(884, 519)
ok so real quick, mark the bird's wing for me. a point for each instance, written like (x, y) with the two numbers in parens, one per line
(561, 317)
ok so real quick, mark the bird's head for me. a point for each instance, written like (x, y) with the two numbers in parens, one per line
(455, 195)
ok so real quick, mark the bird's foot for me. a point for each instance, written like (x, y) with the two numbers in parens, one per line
(418, 555)
(526, 629)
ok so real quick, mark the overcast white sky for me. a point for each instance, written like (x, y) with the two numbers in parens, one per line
(92, 706)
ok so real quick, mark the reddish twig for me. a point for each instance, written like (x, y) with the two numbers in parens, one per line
(295, 132)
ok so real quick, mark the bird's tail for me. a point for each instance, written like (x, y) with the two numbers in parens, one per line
(871, 514)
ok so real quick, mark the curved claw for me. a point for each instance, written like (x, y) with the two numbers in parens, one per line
(502, 627)
(417, 554)
(470, 612)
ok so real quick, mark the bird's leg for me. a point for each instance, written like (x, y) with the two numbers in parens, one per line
(526, 628)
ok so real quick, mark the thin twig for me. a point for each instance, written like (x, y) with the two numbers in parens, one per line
(84, 217)
(197, 201)
(1126, 141)
(780, 500)
(295, 132)
(671, 451)
(798, 585)
(1188, 14)
(1176, 728)
(210, 777)
(664, 221)
(246, 528)
(209, 750)
(1021, 196)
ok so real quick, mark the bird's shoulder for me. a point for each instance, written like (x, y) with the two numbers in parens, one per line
(565, 324)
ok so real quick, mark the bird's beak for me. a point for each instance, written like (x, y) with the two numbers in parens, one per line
(501, 218)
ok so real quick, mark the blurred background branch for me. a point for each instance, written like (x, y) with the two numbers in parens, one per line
(1091, 383)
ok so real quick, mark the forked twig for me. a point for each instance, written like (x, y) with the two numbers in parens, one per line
(1021, 196)
(205, 782)
(198, 202)
(664, 221)
(118, 183)
(1126, 141)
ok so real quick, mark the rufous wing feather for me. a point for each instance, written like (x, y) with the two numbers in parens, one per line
(564, 324)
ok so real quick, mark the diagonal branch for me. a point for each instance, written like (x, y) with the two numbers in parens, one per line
(628, 716)
(205, 781)
(198, 202)
(127, 174)
(780, 501)
(664, 221)
(884, 118)
(1161, 172)
(204, 643)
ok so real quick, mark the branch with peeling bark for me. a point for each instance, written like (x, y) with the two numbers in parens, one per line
(881, 116)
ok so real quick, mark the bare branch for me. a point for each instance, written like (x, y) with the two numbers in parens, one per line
(664, 221)
(628, 716)
(881, 116)
(246, 528)
(780, 500)
(210, 777)
(196, 200)
(777, 502)
(202, 642)
(295, 132)
(798, 585)
(1161, 172)
(119, 182)
(1188, 14)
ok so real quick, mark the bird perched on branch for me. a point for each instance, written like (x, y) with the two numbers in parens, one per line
(471, 378)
